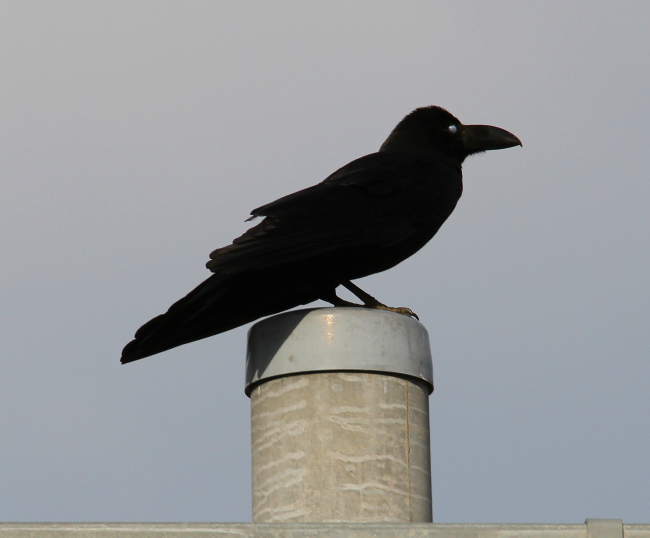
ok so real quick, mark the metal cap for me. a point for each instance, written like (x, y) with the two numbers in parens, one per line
(337, 339)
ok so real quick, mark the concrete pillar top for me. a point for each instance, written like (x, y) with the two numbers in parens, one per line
(337, 339)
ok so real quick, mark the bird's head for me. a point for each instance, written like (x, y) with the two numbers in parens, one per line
(434, 131)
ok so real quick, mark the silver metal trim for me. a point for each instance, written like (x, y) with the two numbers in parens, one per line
(337, 339)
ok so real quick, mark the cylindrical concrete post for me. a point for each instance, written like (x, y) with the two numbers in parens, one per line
(340, 416)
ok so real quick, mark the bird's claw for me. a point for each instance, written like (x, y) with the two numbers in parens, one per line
(398, 310)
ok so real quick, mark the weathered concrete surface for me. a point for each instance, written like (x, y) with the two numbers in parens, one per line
(604, 528)
(312, 530)
(341, 446)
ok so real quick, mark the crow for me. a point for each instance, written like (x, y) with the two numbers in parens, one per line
(364, 218)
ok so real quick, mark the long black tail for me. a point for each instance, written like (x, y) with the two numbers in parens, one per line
(220, 303)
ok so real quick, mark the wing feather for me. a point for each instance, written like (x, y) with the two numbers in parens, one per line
(377, 200)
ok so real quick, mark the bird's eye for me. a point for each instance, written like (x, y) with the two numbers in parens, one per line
(452, 129)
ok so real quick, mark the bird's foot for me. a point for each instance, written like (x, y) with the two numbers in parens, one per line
(398, 310)
(370, 302)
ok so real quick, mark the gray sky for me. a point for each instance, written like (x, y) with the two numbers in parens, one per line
(136, 136)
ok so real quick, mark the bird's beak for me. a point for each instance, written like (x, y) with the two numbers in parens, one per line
(485, 137)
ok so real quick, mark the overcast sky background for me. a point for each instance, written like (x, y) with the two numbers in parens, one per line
(135, 137)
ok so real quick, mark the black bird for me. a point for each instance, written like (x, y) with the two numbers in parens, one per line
(365, 218)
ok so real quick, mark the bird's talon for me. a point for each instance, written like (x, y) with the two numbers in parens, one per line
(398, 310)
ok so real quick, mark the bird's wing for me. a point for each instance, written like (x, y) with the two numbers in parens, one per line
(380, 199)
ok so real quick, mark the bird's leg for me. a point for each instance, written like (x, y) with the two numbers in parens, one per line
(370, 302)
(331, 297)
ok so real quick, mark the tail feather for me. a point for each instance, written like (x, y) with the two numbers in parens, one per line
(220, 303)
